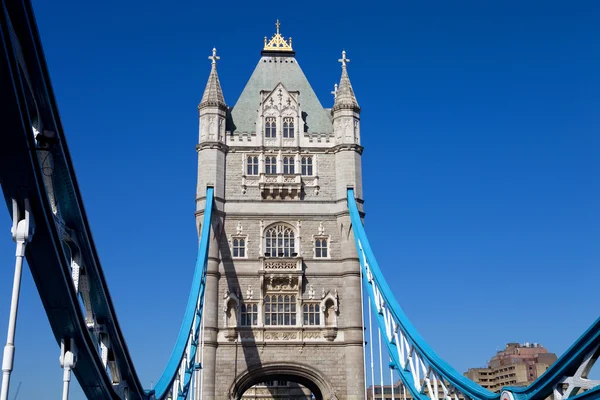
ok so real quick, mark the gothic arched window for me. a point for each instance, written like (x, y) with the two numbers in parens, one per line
(288, 127)
(307, 165)
(270, 165)
(288, 165)
(270, 127)
(280, 309)
(280, 241)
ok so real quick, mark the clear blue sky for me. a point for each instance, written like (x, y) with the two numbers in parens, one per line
(481, 131)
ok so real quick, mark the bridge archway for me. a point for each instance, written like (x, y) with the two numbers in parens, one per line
(305, 375)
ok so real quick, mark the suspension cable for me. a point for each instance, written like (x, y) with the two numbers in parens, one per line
(371, 349)
(202, 355)
(380, 361)
(392, 378)
(362, 319)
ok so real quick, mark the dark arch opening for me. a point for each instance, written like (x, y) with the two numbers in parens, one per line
(310, 385)
(304, 375)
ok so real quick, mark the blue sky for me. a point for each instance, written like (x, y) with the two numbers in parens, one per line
(481, 131)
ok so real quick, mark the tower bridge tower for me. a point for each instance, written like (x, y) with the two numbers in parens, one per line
(283, 296)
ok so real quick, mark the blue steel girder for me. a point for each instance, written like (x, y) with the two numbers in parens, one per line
(35, 165)
(421, 369)
(28, 101)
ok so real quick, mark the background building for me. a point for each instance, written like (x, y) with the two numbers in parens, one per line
(516, 365)
(395, 392)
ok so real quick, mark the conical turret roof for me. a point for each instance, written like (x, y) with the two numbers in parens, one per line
(213, 94)
(344, 96)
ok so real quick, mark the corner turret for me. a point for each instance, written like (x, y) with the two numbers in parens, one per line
(346, 130)
(211, 148)
(212, 108)
(346, 112)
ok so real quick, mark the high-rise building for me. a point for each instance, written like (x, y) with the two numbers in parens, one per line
(516, 365)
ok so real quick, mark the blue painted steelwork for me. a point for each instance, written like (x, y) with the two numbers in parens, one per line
(565, 366)
(28, 102)
(592, 394)
(190, 322)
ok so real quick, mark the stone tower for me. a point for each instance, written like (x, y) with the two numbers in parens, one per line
(283, 297)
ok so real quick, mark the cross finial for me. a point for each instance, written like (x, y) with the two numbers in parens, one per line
(344, 60)
(335, 89)
(277, 26)
(214, 56)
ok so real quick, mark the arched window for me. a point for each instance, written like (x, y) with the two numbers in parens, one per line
(280, 309)
(288, 165)
(270, 127)
(252, 165)
(288, 127)
(270, 165)
(307, 165)
(280, 242)
(312, 314)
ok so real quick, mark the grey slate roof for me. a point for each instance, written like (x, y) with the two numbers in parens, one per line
(213, 94)
(268, 73)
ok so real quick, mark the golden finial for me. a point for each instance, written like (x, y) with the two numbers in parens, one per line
(278, 42)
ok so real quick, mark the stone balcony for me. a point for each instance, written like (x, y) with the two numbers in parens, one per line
(280, 186)
(280, 265)
(281, 275)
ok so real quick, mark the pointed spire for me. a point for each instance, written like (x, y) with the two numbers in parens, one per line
(213, 95)
(344, 97)
(334, 92)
